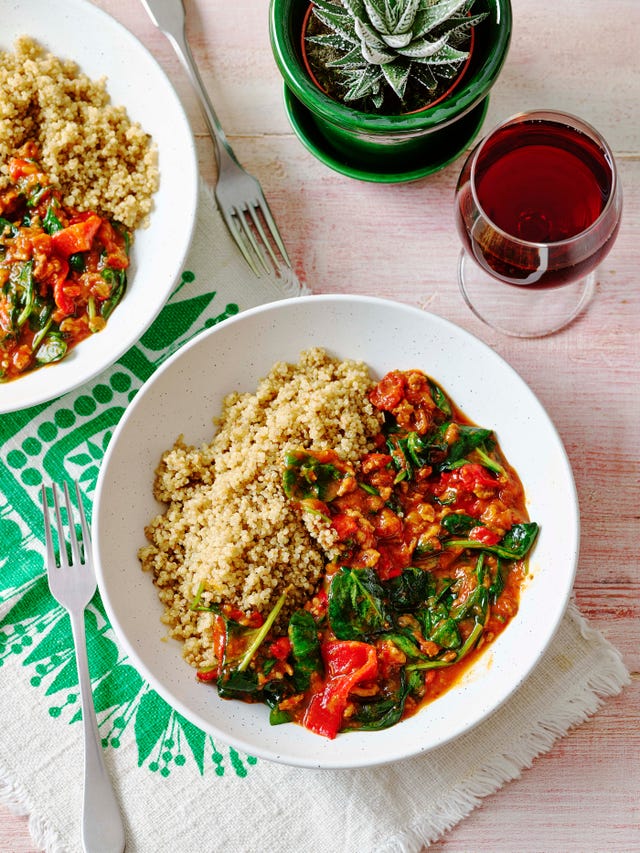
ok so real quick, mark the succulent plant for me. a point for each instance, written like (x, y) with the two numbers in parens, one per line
(377, 45)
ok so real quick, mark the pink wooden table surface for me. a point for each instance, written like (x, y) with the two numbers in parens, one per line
(400, 242)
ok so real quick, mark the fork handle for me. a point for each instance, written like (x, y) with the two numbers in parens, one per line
(180, 44)
(102, 826)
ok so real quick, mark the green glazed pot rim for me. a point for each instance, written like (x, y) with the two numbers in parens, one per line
(463, 98)
(419, 163)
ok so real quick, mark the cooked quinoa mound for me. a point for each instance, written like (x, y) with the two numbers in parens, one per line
(229, 530)
(99, 158)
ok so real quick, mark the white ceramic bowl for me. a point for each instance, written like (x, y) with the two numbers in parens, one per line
(186, 393)
(78, 30)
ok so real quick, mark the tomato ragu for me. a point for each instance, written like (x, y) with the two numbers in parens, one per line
(431, 540)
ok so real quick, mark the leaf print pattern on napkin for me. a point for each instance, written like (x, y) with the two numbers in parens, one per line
(68, 438)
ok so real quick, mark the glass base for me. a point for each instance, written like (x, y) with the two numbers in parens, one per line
(522, 312)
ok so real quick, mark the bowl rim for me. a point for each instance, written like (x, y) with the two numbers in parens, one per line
(368, 758)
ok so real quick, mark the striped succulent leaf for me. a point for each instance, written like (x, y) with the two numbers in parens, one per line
(381, 44)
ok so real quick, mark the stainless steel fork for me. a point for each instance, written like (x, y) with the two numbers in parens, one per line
(73, 583)
(239, 195)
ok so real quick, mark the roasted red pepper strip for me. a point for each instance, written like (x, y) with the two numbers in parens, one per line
(347, 663)
(207, 674)
(64, 302)
(77, 237)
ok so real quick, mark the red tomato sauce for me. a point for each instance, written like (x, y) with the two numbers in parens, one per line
(432, 540)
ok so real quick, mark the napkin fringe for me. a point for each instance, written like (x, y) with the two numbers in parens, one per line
(15, 798)
(505, 767)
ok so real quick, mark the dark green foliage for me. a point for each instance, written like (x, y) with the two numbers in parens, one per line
(357, 605)
(305, 648)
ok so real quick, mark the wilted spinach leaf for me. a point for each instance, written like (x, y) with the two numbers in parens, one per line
(440, 398)
(446, 634)
(118, 281)
(356, 604)
(469, 437)
(410, 589)
(518, 540)
(514, 545)
(458, 523)
(236, 684)
(305, 647)
(273, 693)
(305, 476)
(52, 348)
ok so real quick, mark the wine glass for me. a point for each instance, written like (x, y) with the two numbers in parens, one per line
(538, 207)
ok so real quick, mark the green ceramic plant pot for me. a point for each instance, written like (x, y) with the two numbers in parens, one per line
(394, 147)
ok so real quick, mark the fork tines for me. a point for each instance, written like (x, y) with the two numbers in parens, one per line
(251, 230)
(73, 537)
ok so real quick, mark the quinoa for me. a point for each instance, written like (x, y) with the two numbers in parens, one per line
(94, 153)
(229, 532)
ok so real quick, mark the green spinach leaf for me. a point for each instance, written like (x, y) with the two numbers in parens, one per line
(50, 221)
(446, 634)
(272, 694)
(236, 684)
(356, 604)
(52, 348)
(469, 437)
(118, 281)
(519, 539)
(409, 590)
(306, 477)
(305, 647)
(514, 545)
(458, 523)
(440, 398)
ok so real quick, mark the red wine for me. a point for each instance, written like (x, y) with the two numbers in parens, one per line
(538, 182)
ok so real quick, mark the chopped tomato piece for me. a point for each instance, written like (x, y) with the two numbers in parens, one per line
(375, 461)
(280, 648)
(394, 557)
(484, 535)
(254, 619)
(469, 477)
(234, 613)
(388, 393)
(345, 526)
(77, 237)
(19, 167)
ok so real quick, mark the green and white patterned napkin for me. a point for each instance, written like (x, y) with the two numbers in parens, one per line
(182, 791)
